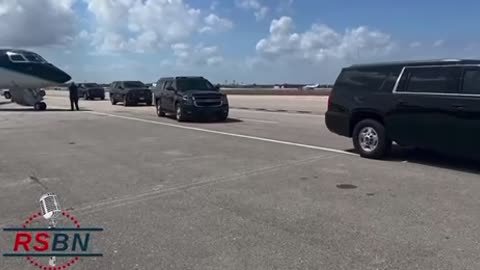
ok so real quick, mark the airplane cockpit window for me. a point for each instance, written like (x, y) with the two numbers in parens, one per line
(25, 57)
(15, 57)
(32, 57)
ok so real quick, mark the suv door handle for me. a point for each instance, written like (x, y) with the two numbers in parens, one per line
(458, 106)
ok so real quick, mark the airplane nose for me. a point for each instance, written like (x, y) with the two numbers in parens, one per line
(59, 76)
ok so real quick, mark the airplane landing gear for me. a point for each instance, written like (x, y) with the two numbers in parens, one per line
(40, 106)
(7, 95)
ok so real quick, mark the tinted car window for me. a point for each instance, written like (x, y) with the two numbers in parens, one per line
(367, 79)
(168, 84)
(194, 84)
(471, 82)
(432, 80)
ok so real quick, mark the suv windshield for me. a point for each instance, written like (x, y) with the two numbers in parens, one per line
(133, 84)
(195, 84)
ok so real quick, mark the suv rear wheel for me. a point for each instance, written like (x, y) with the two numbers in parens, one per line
(112, 100)
(370, 139)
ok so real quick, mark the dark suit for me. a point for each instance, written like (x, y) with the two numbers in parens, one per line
(73, 96)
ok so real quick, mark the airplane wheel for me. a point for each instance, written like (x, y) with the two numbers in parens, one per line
(40, 106)
(7, 95)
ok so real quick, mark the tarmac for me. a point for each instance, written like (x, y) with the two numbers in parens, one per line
(263, 190)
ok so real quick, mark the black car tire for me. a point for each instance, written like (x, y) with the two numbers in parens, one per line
(149, 103)
(85, 96)
(180, 116)
(102, 98)
(368, 132)
(223, 117)
(7, 95)
(160, 112)
(112, 100)
(125, 101)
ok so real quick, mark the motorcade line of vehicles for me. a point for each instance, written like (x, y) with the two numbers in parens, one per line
(185, 97)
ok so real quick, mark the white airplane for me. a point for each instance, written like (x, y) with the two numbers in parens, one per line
(24, 73)
(311, 86)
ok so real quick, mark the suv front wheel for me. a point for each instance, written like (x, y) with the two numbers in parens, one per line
(160, 112)
(179, 113)
(370, 139)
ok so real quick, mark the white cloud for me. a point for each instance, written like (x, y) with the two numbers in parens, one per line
(438, 43)
(213, 23)
(259, 10)
(321, 42)
(27, 23)
(147, 25)
(199, 55)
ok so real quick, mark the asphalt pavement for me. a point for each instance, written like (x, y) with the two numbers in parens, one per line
(263, 190)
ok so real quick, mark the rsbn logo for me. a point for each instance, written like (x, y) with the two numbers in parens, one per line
(41, 246)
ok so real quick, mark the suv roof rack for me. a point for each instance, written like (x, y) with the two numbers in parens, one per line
(181, 77)
(420, 62)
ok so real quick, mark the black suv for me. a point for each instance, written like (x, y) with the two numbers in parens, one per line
(130, 93)
(91, 91)
(432, 105)
(190, 97)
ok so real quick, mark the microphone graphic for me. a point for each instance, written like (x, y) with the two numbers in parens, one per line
(50, 207)
(50, 211)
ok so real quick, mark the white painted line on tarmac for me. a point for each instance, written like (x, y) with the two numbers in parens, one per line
(259, 121)
(307, 146)
(281, 113)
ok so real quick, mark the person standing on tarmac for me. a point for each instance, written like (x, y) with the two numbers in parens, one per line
(73, 96)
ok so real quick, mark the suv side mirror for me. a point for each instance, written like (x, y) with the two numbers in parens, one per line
(120, 87)
(217, 87)
(170, 88)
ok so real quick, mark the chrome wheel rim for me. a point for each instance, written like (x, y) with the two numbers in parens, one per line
(368, 139)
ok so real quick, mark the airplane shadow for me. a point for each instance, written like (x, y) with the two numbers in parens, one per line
(400, 154)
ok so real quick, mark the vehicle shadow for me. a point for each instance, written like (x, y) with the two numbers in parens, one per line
(213, 121)
(32, 110)
(209, 121)
(430, 158)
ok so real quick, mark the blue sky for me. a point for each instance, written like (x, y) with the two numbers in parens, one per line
(261, 41)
